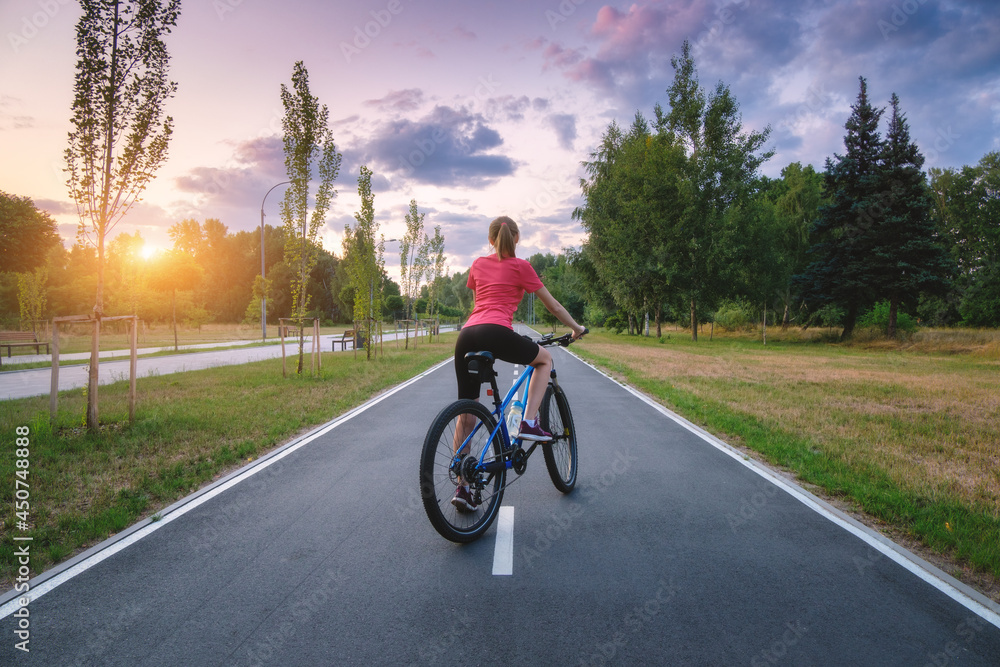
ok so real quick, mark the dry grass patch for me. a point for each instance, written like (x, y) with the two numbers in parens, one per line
(931, 421)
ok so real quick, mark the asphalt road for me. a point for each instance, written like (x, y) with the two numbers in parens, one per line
(669, 552)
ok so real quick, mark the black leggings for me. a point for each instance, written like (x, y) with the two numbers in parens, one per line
(501, 341)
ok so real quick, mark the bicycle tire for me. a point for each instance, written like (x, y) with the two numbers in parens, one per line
(560, 454)
(438, 479)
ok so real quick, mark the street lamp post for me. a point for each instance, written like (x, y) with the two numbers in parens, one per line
(263, 295)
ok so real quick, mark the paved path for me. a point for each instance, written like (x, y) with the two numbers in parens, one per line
(38, 381)
(671, 551)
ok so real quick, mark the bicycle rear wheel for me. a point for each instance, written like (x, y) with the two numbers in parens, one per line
(560, 454)
(441, 470)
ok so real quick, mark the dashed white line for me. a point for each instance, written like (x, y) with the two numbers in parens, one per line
(503, 554)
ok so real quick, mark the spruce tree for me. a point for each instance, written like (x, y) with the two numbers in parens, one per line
(907, 258)
(840, 270)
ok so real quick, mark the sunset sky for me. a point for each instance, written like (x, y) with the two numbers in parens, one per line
(477, 109)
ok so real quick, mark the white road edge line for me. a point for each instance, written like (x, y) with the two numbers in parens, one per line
(503, 553)
(113, 545)
(953, 588)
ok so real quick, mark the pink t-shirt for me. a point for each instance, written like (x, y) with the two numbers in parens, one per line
(499, 286)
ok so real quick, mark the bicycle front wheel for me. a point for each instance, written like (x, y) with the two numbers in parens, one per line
(452, 449)
(560, 454)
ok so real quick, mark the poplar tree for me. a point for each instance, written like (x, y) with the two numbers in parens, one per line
(435, 270)
(409, 250)
(308, 141)
(119, 137)
(364, 254)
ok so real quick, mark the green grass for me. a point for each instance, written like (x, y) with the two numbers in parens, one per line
(908, 437)
(190, 429)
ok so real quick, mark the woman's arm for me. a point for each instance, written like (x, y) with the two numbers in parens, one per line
(559, 311)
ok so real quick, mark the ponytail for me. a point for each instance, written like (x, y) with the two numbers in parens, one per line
(503, 232)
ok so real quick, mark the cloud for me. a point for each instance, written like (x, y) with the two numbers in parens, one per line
(398, 100)
(255, 165)
(565, 127)
(55, 207)
(445, 147)
(509, 107)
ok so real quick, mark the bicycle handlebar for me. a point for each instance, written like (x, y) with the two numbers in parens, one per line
(562, 341)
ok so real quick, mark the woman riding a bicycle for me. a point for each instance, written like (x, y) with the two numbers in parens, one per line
(499, 282)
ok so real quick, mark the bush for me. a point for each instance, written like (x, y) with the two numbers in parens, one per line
(595, 315)
(827, 316)
(878, 318)
(734, 315)
(617, 322)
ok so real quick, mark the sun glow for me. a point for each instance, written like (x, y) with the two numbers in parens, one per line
(148, 251)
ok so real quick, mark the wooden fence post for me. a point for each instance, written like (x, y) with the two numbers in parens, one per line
(54, 393)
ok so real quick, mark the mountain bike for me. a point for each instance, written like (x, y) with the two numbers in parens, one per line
(469, 443)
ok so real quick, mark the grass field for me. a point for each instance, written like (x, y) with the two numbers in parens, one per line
(190, 428)
(907, 433)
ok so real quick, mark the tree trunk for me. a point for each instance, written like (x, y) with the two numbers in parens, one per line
(173, 302)
(785, 319)
(694, 322)
(765, 323)
(893, 311)
(850, 319)
(659, 330)
(93, 419)
(302, 345)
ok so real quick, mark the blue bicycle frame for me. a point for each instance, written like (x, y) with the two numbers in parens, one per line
(500, 412)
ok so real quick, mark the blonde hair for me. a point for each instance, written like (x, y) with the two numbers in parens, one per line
(503, 235)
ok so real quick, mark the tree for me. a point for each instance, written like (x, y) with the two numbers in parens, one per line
(967, 208)
(630, 207)
(175, 271)
(435, 270)
(307, 140)
(31, 294)
(719, 172)
(27, 234)
(841, 240)
(907, 257)
(261, 289)
(125, 268)
(366, 264)
(409, 249)
(796, 208)
(118, 142)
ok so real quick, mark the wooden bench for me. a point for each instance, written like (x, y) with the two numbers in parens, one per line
(348, 336)
(9, 339)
